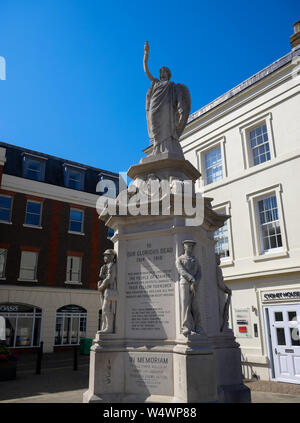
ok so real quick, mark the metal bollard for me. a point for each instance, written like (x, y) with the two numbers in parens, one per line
(75, 361)
(39, 359)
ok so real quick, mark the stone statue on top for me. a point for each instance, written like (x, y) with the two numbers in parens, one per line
(167, 106)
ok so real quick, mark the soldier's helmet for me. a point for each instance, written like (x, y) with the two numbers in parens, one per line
(109, 252)
(189, 241)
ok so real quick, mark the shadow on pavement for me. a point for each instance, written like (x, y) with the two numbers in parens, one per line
(57, 376)
(51, 381)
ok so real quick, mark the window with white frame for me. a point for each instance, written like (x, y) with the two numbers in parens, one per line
(212, 162)
(76, 220)
(23, 324)
(74, 178)
(5, 208)
(33, 213)
(222, 238)
(73, 269)
(259, 144)
(70, 325)
(28, 266)
(3, 256)
(34, 168)
(269, 225)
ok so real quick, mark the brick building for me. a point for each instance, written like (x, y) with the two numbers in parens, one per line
(51, 246)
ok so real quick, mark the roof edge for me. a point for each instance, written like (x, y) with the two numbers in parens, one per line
(66, 161)
(246, 84)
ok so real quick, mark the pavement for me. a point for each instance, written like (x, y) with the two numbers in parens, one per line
(59, 383)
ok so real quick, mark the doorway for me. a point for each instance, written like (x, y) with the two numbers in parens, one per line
(283, 324)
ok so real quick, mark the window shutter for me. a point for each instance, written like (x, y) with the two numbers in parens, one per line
(2, 261)
(28, 265)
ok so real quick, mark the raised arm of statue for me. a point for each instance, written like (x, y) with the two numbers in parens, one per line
(146, 56)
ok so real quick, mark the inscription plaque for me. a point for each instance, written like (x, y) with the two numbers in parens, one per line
(149, 373)
(150, 289)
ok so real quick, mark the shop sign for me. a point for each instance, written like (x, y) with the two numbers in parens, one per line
(8, 308)
(72, 308)
(283, 295)
(17, 308)
(242, 323)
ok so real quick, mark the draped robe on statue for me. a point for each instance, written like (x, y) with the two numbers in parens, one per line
(163, 100)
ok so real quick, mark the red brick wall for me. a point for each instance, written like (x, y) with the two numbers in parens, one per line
(95, 252)
(55, 217)
(53, 243)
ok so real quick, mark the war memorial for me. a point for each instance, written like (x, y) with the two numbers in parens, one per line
(164, 334)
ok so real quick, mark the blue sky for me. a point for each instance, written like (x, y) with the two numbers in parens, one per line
(75, 86)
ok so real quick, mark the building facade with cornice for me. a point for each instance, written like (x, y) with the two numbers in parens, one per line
(246, 144)
(51, 248)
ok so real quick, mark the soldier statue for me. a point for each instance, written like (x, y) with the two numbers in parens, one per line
(190, 273)
(107, 285)
(223, 302)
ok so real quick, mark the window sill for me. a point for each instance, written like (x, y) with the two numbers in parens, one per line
(4, 221)
(32, 226)
(27, 280)
(226, 263)
(214, 183)
(2, 279)
(251, 166)
(270, 256)
(76, 233)
(73, 283)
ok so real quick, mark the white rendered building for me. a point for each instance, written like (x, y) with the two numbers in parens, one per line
(246, 144)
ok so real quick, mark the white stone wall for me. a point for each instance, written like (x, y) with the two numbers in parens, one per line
(276, 100)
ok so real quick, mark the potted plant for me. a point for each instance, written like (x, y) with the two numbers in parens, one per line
(8, 363)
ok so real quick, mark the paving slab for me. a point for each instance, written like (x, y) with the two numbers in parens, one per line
(59, 385)
(274, 387)
(76, 397)
(270, 397)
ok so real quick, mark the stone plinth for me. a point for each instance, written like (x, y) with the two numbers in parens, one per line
(148, 358)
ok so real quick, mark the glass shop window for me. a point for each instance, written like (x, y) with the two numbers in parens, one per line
(22, 325)
(70, 325)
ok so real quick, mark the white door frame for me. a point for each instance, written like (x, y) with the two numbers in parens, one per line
(269, 342)
(273, 366)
